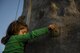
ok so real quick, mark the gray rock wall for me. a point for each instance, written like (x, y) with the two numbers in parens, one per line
(65, 13)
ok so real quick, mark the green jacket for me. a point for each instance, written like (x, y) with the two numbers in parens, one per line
(16, 43)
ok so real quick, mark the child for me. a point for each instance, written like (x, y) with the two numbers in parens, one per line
(17, 34)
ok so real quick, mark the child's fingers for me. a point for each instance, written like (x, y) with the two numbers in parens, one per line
(54, 27)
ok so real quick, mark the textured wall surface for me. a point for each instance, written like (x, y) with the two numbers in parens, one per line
(65, 13)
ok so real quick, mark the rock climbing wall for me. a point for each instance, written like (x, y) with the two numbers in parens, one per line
(66, 14)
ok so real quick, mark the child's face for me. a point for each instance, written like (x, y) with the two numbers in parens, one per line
(23, 31)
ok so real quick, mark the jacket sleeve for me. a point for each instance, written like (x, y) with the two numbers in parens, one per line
(32, 34)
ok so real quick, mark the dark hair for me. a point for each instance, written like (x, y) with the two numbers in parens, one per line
(22, 18)
(13, 29)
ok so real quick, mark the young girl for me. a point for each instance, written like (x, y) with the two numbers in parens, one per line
(17, 34)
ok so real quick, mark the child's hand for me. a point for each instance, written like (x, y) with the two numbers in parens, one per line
(53, 27)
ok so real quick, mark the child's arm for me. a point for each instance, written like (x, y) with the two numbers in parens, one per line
(39, 32)
(32, 34)
(36, 33)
